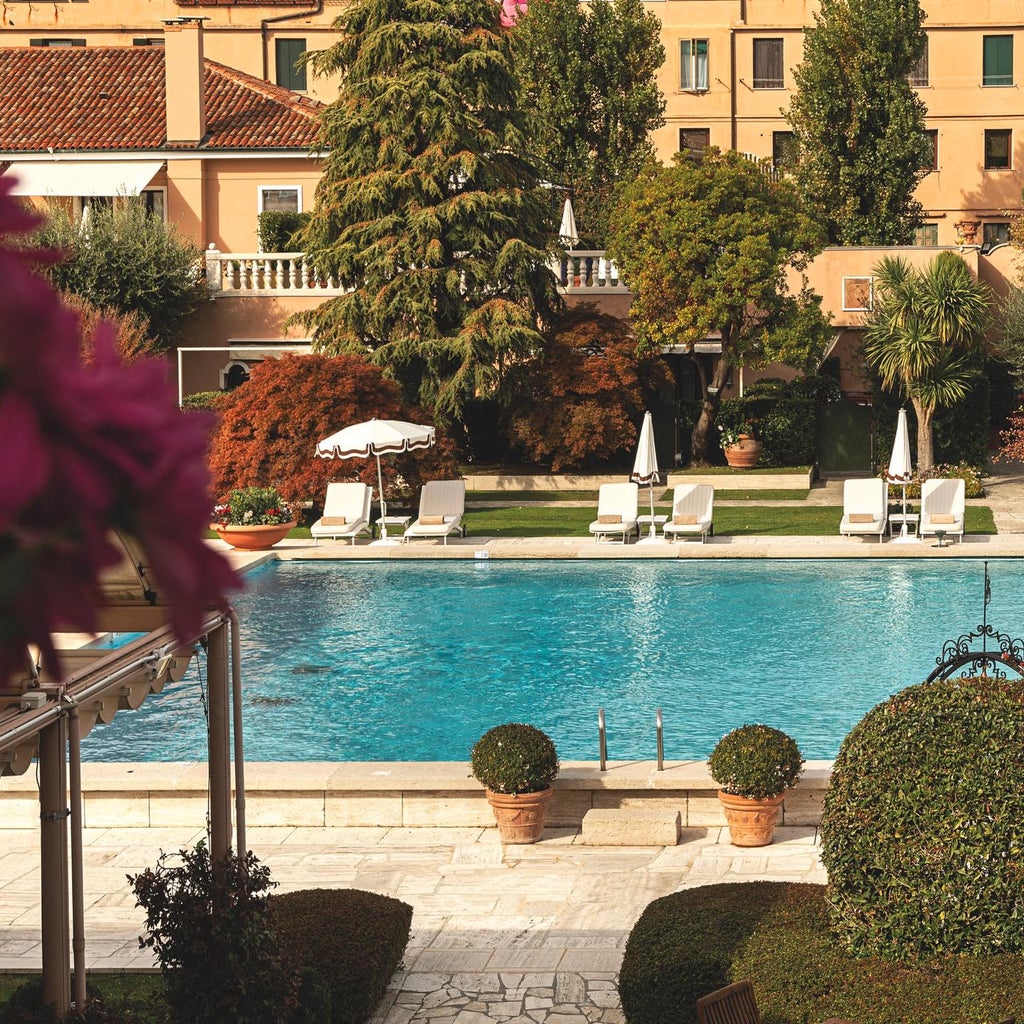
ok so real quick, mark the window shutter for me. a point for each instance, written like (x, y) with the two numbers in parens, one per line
(998, 60)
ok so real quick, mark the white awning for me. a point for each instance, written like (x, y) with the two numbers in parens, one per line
(80, 178)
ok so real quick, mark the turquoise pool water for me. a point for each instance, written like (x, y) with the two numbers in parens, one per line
(413, 661)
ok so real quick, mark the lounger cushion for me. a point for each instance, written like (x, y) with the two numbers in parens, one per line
(431, 520)
(334, 521)
(942, 517)
(607, 520)
(861, 517)
(684, 520)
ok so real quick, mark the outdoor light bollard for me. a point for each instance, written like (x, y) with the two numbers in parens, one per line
(601, 738)
(659, 728)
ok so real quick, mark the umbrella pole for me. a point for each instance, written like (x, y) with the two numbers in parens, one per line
(654, 533)
(380, 498)
(903, 532)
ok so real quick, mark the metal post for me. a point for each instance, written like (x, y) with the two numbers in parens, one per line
(53, 863)
(220, 747)
(659, 727)
(236, 715)
(601, 738)
(77, 876)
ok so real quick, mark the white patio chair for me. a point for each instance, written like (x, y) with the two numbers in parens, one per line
(865, 508)
(692, 512)
(442, 506)
(346, 513)
(942, 508)
(616, 512)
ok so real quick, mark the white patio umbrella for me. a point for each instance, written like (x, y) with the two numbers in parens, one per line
(899, 470)
(567, 232)
(377, 438)
(645, 469)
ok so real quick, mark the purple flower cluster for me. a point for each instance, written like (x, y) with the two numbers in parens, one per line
(86, 450)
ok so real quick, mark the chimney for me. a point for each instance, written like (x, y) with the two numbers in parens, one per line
(183, 81)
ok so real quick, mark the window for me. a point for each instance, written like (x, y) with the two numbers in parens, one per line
(919, 72)
(156, 202)
(997, 60)
(858, 294)
(280, 199)
(768, 64)
(694, 140)
(997, 149)
(289, 75)
(995, 233)
(931, 141)
(693, 64)
(148, 41)
(926, 234)
(57, 42)
(783, 150)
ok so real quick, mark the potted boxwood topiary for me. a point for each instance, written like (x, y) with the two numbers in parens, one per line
(516, 764)
(754, 765)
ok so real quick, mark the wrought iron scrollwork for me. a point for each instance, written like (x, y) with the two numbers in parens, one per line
(961, 656)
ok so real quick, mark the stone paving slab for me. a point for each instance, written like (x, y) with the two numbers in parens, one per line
(503, 934)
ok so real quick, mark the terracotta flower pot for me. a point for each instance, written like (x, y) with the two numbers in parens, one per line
(744, 453)
(751, 822)
(253, 538)
(520, 818)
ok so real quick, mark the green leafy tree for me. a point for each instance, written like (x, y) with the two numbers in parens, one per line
(1011, 330)
(705, 247)
(920, 337)
(430, 208)
(585, 394)
(590, 74)
(127, 260)
(857, 123)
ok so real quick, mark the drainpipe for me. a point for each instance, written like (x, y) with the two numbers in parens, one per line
(264, 22)
(732, 90)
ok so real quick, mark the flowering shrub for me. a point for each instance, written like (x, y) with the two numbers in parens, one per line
(755, 761)
(732, 434)
(253, 506)
(89, 449)
(971, 475)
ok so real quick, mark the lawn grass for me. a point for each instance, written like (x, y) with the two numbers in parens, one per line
(660, 494)
(141, 994)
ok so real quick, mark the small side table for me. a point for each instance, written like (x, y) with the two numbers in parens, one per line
(647, 520)
(399, 522)
(899, 519)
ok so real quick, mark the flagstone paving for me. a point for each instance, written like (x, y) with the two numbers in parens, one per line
(509, 934)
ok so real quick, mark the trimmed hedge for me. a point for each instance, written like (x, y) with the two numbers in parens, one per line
(347, 942)
(776, 934)
(923, 825)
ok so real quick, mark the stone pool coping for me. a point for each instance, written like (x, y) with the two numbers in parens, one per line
(407, 794)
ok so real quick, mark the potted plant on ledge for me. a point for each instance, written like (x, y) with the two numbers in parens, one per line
(742, 449)
(516, 764)
(253, 518)
(754, 765)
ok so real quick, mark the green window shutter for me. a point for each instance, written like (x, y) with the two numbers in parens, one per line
(997, 60)
(287, 52)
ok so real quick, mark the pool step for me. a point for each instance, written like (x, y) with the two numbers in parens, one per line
(631, 826)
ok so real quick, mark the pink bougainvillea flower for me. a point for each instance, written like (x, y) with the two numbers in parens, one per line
(510, 12)
(88, 450)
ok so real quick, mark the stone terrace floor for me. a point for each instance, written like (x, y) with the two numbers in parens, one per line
(519, 934)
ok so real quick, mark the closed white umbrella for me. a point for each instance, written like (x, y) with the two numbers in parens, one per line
(567, 232)
(645, 467)
(899, 470)
(377, 438)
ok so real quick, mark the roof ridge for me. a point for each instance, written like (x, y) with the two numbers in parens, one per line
(301, 104)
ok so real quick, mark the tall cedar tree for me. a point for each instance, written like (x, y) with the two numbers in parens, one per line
(590, 73)
(706, 247)
(429, 208)
(269, 426)
(584, 399)
(858, 125)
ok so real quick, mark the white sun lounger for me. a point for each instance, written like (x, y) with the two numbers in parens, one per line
(346, 513)
(442, 505)
(692, 512)
(616, 512)
(865, 508)
(942, 507)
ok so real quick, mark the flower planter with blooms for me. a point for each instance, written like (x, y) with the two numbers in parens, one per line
(253, 518)
(516, 764)
(742, 450)
(754, 765)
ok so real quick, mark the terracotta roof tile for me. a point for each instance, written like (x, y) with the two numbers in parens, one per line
(112, 99)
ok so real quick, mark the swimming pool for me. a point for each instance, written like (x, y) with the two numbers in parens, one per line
(409, 661)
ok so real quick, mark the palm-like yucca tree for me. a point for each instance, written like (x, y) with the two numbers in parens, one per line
(924, 326)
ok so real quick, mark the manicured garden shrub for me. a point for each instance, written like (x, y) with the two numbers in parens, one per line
(514, 758)
(972, 477)
(923, 824)
(776, 934)
(202, 400)
(756, 761)
(276, 230)
(269, 426)
(348, 944)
